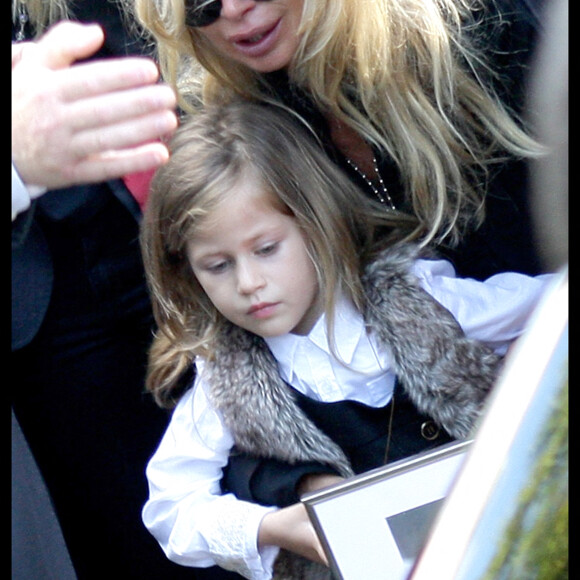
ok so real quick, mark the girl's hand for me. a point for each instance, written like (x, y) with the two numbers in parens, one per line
(317, 481)
(290, 528)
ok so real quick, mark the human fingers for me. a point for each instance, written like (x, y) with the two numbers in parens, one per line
(114, 164)
(291, 528)
(105, 76)
(314, 482)
(67, 42)
(123, 135)
(120, 106)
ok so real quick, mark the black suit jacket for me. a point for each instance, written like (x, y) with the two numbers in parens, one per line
(32, 276)
(31, 261)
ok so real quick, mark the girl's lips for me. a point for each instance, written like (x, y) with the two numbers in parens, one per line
(262, 310)
(257, 42)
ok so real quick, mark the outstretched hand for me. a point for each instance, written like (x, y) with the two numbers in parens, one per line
(88, 122)
(290, 528)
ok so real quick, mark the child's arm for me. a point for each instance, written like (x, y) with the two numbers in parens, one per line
(192, 521)
(494, 311)
(197, 525)
(270, 481)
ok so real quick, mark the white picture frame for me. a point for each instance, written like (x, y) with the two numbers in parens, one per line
(375, 523)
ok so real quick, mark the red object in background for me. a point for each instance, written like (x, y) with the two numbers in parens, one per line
(138, 184)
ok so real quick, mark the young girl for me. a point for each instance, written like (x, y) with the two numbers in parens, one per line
(305, 332)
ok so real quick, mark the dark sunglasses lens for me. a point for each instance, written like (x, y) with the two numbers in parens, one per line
(202, 12)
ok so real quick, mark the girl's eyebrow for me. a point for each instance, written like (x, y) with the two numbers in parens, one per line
(208, 255)
(249, 242)
(198, 256)
(271, 231)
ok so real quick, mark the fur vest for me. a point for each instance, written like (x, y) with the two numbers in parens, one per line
(445, 374)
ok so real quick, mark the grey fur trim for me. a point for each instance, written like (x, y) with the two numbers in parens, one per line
(258, 407)
(446, 374)
(290, 566)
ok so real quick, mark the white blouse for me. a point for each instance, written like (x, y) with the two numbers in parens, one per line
(198, 526)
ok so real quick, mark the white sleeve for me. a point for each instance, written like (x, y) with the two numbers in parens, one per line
(22, 194)
(192, 521)
(494, 311)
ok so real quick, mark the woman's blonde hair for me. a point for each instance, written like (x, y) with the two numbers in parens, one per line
(210, 153)
(40, 13)
(402, 73)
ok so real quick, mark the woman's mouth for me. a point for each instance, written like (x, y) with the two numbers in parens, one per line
(257, 43)
(253, 39)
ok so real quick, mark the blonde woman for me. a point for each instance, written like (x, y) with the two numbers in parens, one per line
(405, 94)
(417, 101)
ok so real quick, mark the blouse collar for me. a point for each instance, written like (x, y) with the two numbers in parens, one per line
(348, 328)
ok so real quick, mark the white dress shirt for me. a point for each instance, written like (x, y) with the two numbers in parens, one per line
(23, 194)
(196, 525)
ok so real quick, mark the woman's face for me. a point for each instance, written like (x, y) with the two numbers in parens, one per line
(261, 35)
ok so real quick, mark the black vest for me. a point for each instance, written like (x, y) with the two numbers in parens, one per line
(362, 431)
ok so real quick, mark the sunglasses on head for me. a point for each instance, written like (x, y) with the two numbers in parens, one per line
(200, 13)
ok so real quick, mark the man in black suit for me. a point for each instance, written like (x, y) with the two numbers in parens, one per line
(82, 320)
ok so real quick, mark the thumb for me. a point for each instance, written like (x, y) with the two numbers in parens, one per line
(17, 51)
(67, 42)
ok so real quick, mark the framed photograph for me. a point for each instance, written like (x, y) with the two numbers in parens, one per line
(376, 523)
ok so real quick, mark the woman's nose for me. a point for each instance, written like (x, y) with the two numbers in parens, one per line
(235, 9)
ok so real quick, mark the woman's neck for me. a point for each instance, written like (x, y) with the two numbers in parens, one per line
(351, 145)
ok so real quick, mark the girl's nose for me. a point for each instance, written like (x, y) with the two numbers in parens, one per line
(249, 278)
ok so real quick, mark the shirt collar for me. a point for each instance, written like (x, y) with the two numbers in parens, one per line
(348, 328)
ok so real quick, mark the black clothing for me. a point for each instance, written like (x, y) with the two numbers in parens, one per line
(38, 548)
(505, 241)
(81, 327)
(360, 430)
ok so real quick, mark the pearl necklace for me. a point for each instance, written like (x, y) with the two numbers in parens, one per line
(22, 21)
(383, 197)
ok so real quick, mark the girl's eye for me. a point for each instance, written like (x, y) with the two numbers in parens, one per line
(217, 267)
(267, 249)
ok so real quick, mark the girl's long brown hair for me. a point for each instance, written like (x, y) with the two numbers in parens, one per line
(209, 154)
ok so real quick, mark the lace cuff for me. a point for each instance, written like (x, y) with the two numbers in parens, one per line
(232, 539)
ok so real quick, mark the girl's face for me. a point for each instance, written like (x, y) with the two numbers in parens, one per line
(260, 35)
(252, 262)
